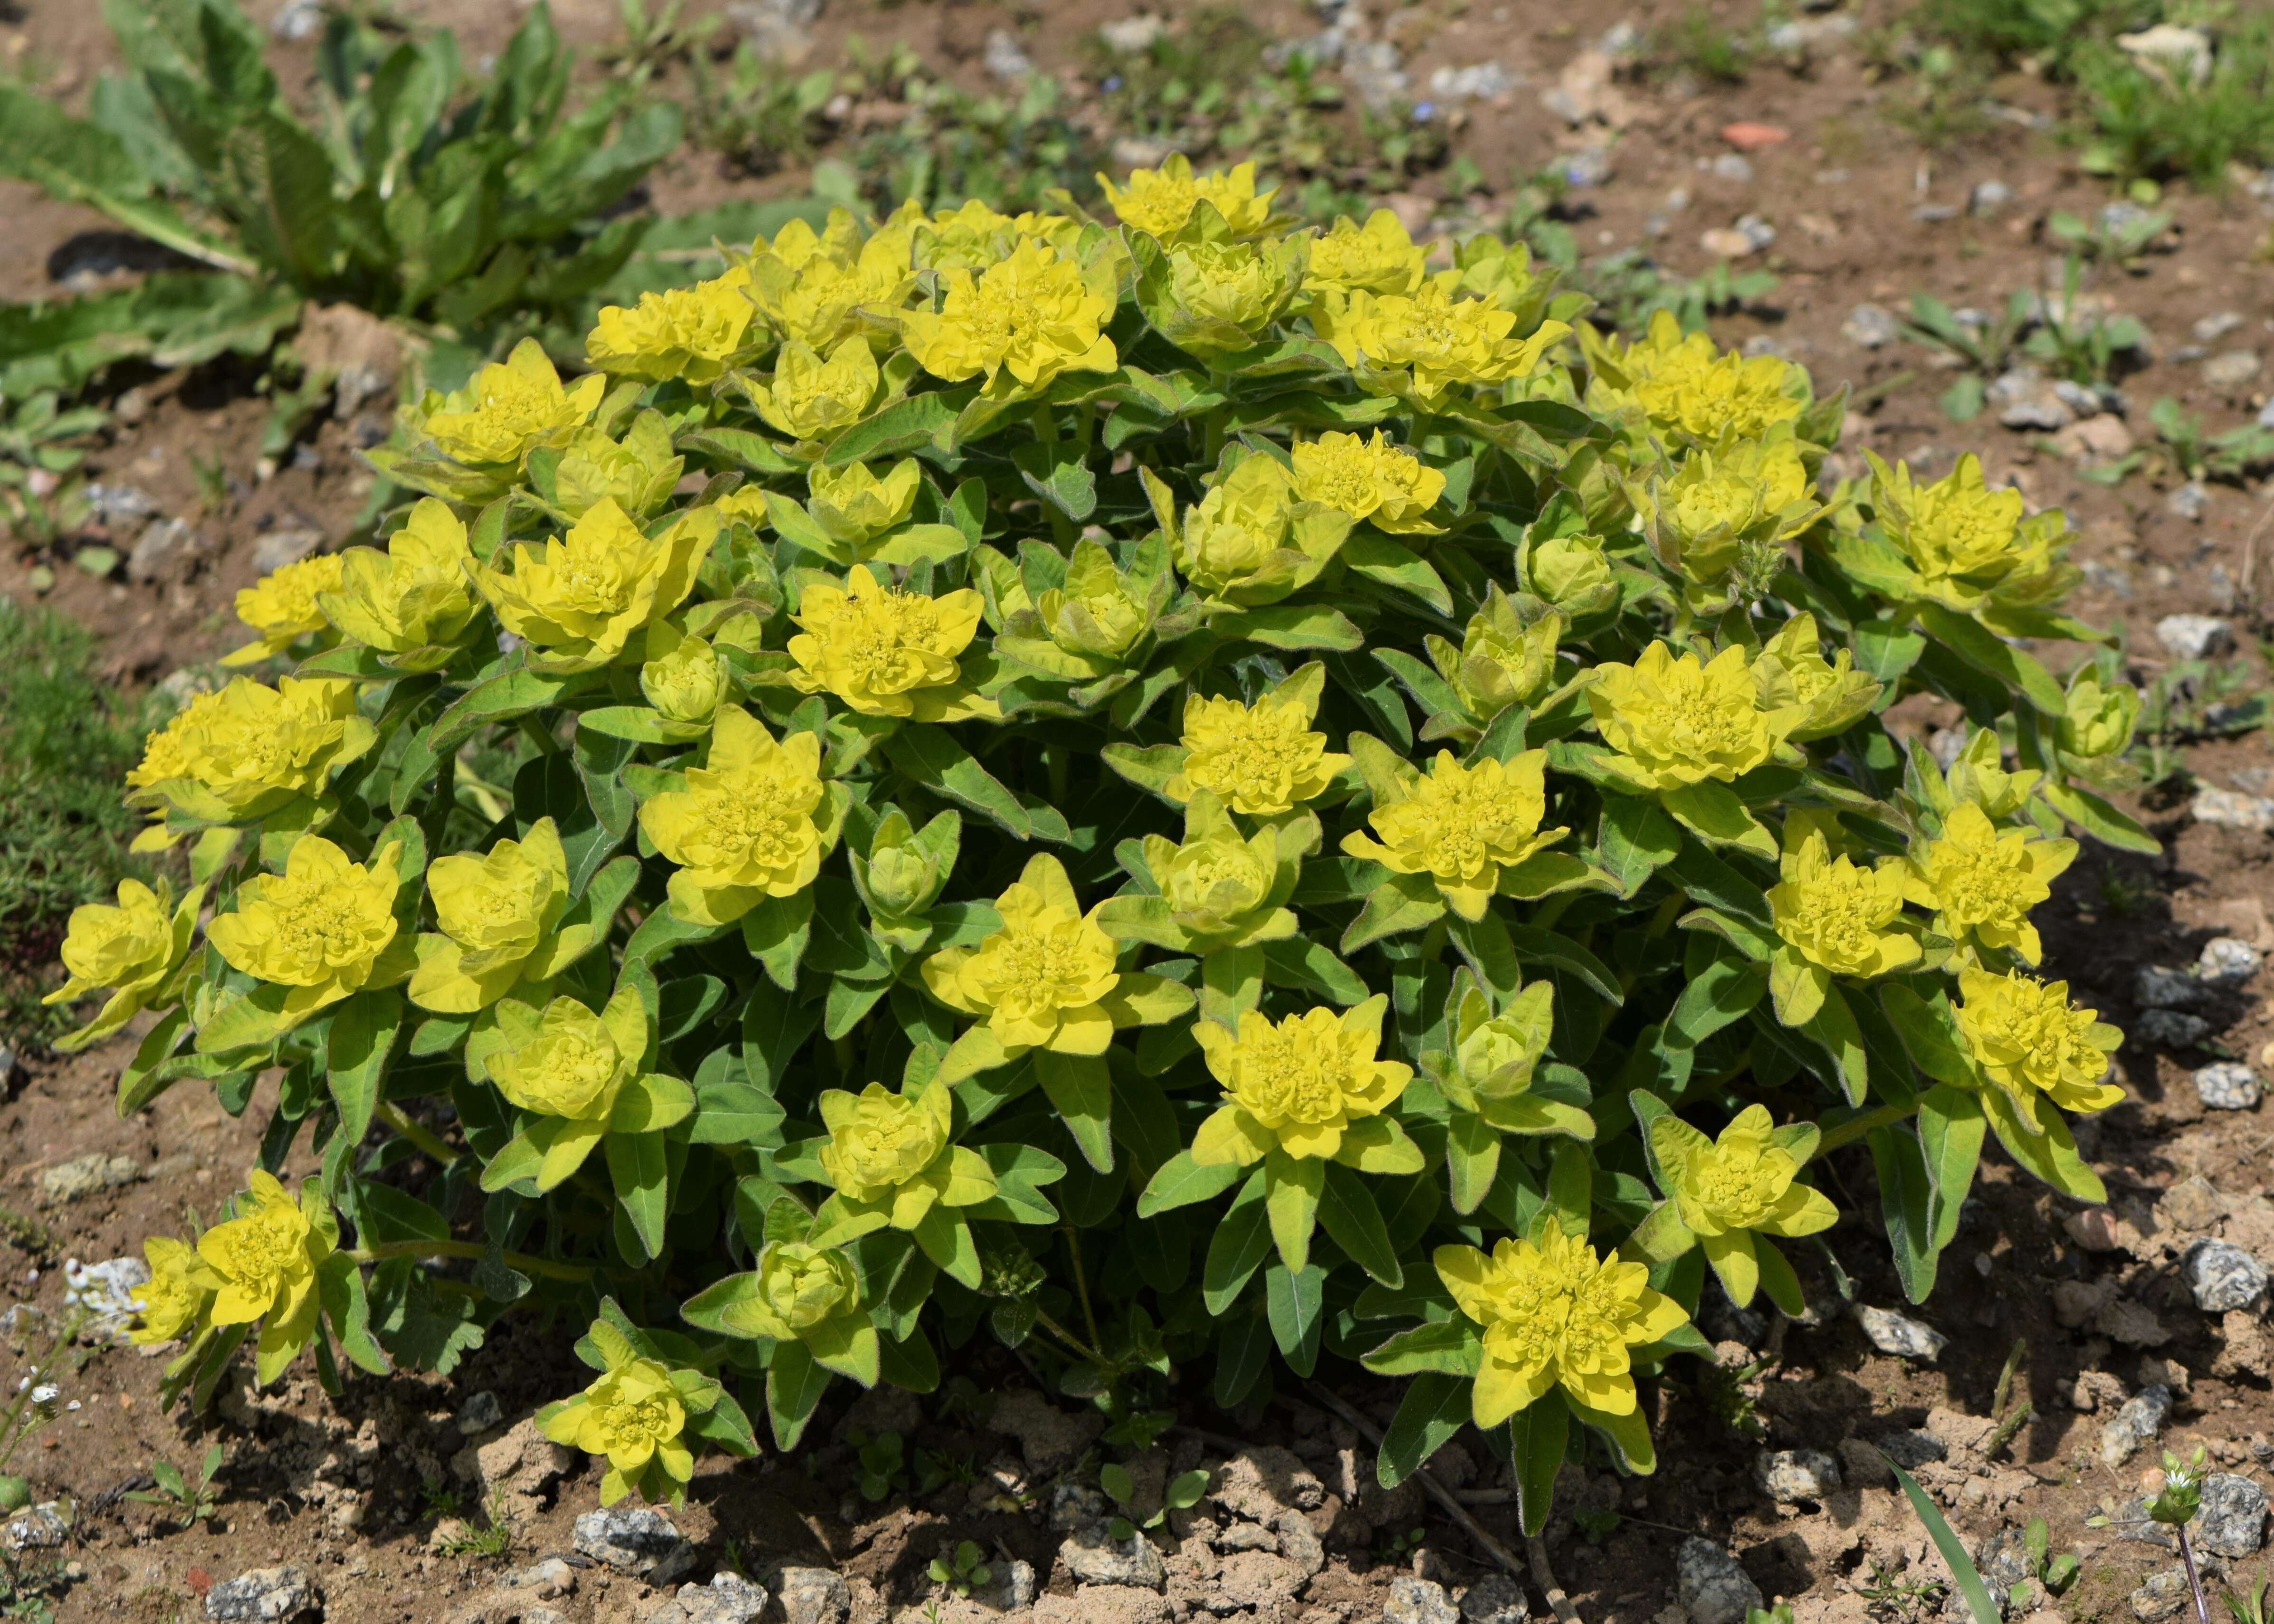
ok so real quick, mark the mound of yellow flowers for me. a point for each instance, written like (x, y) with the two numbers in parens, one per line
(1202, 796)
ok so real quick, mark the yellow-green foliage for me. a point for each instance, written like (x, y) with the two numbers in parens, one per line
(1171, 790)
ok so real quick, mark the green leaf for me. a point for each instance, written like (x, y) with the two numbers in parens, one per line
(1059, 473)
(795, 1383)
(364, 1030)
(1238, 1248)
(1080, 1087)
(1991, 654)
(1435, 1406)
(1836, 1029)
(1951, 1124)
(1537, 1435)
(421, 1328)
(1929, 1033)
(1181, 1181)
(1906, 1198)
(639, 1170)
(1712, 811)
(1291, 1189)
(1392, 564)
(930, 756)
(917, 423)
(1534, 945)
(1348, 1214)
(510, 693)
(1401, 903)
(1295, 1302)
(1451, 1347)
(1951, 1549)
(2103, 823)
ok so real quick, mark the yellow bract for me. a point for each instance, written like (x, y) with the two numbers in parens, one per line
(1791, 671)
(684, 332)
(885, 651)
(1159, 202)
(1504, 658)
(1684, 388)
(1242, 286)
(170, 1303)
(1676, 721)
(818, 288)
(1967, 546)
(1836, 915)
(1218, 885)
(1462, 826)
(2098, 720)
(242, 753)
(1262, 759)
(636, 473)
(282, 606)
(813, 399)
(1371, 480)
(574, 1064)
(1728, 1190)
(855, 506)
(1566, 567)
(681, 677)
(1554, 1314)
(754, 823)
(1043, 979)
(325, 928)
(633, 1417)
(261, 1264)
(1982, 883)
(133, 948)
(1021, 321)
(1425, 342)
(497, 914)
(577, 603)
(1378, 257)
(890, 1159)
(511, 408)
(1494, 1057)
(419, 594)
(2031, 1042)
(1308, 1086)
(800, 1287)
(1253, 539)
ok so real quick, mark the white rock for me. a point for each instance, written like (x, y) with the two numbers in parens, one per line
(2137, 1424)
(2228, 958)
(2211, 328)
(1131, 34)
(635, 1540)
(1414, 1600)
(2222, 1276)
(2156, 987)
(106, 1292)
(2233, 1521)
(1871, 326)
(2189, 501)
(1714, 1588)
(1482, 81)
(2227, 1085)
(2231, 370)
(1004, 57)
(264, 1596)
(1901, 1335)
(2232, 809)
(2168, 1029)
(2195, 637)
(2176, 55)
(1093, 1556)
(1793, 1475)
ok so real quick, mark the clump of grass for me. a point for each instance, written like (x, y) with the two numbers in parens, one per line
(1700, 44)
(66, 737)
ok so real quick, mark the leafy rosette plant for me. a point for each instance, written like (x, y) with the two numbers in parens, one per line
(1204, 801)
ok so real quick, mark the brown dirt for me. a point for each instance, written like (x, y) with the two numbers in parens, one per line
(338, 1487)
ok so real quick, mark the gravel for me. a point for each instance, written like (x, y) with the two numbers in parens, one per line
(2188, 501)
(2135, 1425)
(265, 1595)
(2227, 1085)
(812, 1595)
(1713, 1588)
(1496, 1599)
(2232, 809)
(2232, 1522)
(2228, 958)
(1871, 326)
(2195, 637)
(635, 1540)
(2222, 1276)
(2232, 370)
(1418, 1601)
(2168, 1029)
(1093, 1556)
(2155, 987)
(1789, 1476)
(1901, 1335)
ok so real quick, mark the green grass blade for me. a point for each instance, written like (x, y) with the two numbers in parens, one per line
(1946, 1540)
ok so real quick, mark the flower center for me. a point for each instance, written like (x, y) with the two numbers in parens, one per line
(626, 1422)
(1290, 1076)
(1738, 1188)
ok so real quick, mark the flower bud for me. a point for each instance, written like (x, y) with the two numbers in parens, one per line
(637, 472)
(903, 876)
(1564, 568)
(2099, 721)
(683, 679)
(1505, 656)
(855, 506)
(1094, 612)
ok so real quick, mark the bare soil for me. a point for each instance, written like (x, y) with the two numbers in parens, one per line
(349, 1491)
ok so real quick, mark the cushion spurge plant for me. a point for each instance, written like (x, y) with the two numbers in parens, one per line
(1206, 800)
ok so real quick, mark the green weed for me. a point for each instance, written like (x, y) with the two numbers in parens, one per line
(66, 737)
(192, 1496)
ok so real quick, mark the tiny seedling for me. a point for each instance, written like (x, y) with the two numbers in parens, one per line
(883, 1463)
(2056, 1572)
(1182, 1493)
(1597, 1526)
(967, 1572)
(2247, 1608)
(193, 1498)
(493, 1540)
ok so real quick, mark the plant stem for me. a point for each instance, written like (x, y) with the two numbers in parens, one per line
(377, 1251)
(430, 1144)
(1082, 1285)
(1849, 1132)
(2195, 1579)
(1072, 1341)
(1437, 1492)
